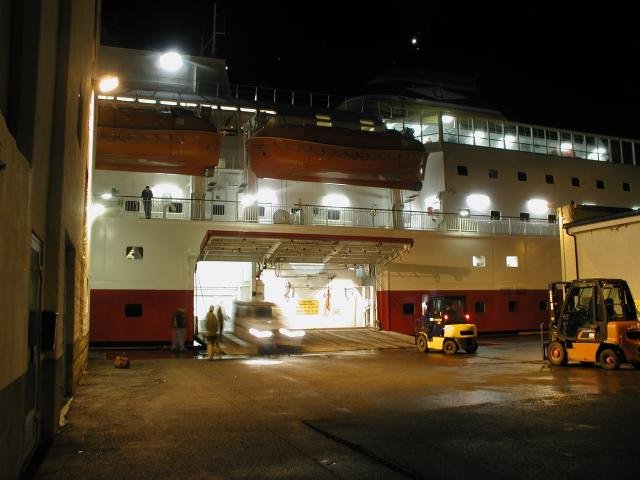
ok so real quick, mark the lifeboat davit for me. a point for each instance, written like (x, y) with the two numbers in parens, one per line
(337, 155)
(145, 140)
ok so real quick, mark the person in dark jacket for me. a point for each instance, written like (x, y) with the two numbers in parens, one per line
(147, 197)
(179, 327)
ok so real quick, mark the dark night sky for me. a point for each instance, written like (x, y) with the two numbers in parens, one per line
(573, 68)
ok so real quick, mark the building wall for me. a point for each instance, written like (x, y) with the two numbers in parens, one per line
(309, 193)
(438, 262)
(528, 310)
(509, 196)
(131, 184)
(46, 64)
(109, 323)
(443, 263)
(161, 281)
(14, 261)
(605, 249)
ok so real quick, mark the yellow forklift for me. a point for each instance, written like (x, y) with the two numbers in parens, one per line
(591, 321)
(445, 325)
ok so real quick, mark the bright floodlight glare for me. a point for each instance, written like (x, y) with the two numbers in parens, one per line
(447, 119)
(537, 206)
(478, 201)
(336, 200)
(106, 196)
(167, 190)
(171, 61)
(248, 199)
(95, 210)
(108, 84)
(414, 40)
(432, 202)
(266, 195)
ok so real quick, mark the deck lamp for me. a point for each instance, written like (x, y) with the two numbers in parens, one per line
(108, 83)
(478, 201)
(170, 61)
(537, 206)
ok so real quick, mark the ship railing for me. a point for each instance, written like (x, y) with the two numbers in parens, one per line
(196, 209)
(190, 92)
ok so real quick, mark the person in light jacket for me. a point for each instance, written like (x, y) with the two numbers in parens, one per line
(213, 327)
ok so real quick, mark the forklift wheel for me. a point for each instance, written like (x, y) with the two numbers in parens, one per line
(421, 342)
(557, 354)
(449, 347)
(609, 359)
(471, 347)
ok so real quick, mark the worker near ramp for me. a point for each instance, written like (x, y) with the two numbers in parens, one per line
(213, 329)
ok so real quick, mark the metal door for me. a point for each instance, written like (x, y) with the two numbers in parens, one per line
(31, 419)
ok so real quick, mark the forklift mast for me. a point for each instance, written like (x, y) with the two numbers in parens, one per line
(557, 295)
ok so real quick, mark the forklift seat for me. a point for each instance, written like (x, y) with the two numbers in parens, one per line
(611, 311)
(586, 334)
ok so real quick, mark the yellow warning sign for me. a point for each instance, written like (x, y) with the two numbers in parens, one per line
(308, 307)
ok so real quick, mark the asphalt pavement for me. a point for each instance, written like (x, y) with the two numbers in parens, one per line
(381, 413)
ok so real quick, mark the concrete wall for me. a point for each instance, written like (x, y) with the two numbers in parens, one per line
(48, 50)
(14, 269)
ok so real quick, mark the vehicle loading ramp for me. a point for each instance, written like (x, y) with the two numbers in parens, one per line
(330, 340)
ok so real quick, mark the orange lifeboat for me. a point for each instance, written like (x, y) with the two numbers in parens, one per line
(144, 140)
(337, 155)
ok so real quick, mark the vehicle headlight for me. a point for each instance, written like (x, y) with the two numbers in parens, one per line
(260, 333)
(292, 333)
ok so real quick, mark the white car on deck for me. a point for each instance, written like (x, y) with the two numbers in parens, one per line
(261, 323)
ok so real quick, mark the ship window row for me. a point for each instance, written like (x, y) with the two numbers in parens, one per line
(463, 171)
(480, 306)
(497, 215)
(524, 216)
(482, 132)
(525, 138)
(512, 306)
(480, 261)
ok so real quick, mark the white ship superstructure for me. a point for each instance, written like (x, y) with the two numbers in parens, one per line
(310, 202)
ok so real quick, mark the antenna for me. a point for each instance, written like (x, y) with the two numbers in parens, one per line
(214, 33)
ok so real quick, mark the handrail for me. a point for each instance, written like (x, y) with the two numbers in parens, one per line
(304, 214)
